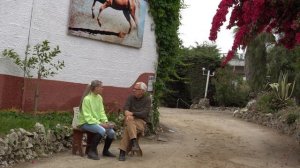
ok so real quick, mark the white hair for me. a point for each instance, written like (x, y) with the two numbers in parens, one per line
(142, 85)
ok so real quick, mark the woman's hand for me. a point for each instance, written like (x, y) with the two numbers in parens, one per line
(108, 125)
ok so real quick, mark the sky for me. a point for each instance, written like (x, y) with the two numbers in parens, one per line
(196, 23)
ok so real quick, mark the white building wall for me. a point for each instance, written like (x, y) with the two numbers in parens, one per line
(85, 59)
(14, 26)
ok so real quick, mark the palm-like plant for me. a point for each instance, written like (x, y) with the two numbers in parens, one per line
(283, 90)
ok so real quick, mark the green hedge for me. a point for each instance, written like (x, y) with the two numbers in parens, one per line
(11, 120)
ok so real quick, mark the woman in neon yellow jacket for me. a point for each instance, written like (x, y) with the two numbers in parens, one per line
(92, 118)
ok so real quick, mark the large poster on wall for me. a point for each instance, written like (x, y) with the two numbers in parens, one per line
(115, 21)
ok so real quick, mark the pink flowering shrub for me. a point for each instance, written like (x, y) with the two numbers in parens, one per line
(252, 17)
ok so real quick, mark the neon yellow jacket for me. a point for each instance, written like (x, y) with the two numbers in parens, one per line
(92, 110)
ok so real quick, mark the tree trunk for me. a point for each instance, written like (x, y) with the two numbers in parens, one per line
(255, 64)
(37, 94)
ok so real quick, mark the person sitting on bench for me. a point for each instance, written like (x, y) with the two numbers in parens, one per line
(137, 109)
(92, 118)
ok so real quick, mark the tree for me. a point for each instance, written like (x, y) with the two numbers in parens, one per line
(256, 60)
(189, 84)
(230, 89)
(202, 56)
(253, 17)
(41, 60)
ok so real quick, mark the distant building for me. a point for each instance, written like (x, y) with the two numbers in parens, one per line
(238, 66)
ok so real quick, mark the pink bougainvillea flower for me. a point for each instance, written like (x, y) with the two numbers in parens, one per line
(253, 17)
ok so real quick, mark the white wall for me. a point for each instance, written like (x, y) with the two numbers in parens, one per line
(14, 26)
(85, 59)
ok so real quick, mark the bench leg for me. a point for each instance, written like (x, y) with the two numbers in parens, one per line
(77, 142)
(77, 145)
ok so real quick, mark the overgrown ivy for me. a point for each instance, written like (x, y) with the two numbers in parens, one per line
(166, 16)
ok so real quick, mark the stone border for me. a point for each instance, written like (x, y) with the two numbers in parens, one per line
(270, 120)
(20, 145)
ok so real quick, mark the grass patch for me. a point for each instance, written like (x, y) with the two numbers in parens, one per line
(11, 120)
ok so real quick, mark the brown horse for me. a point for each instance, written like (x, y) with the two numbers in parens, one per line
(127, 6)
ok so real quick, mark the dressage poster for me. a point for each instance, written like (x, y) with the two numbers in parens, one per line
(114, 21)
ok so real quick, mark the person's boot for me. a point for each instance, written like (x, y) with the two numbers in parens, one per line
(107, 144)
(122, 155)
(135, 145)
(92, 152)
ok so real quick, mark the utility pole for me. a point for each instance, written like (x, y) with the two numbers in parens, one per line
(207, 79)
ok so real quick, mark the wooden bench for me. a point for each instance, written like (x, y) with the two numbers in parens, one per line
(77, 143)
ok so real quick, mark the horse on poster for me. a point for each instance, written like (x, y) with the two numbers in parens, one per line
(127, 6)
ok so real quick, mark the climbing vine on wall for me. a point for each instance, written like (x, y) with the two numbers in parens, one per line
(166, 17)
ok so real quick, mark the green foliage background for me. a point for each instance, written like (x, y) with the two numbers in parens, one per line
(10, 119)
(255, 62)
(202, 56)
(282, 59)
(189, 86)
(231, 90)
(166, 17)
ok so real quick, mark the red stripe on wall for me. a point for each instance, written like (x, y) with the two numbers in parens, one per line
(56, 95)
(10, 91)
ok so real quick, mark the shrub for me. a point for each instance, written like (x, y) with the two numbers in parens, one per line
(267, 102)
(118, 120)
(291, 118)
(283, 90)
(231, 90)
(12, 119)
(289, 114)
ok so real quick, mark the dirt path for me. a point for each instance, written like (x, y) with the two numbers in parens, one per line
(197, 139)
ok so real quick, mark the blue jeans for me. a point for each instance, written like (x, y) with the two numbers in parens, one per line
(96, 128)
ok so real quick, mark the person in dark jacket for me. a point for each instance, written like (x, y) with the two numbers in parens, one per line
(136, 110)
